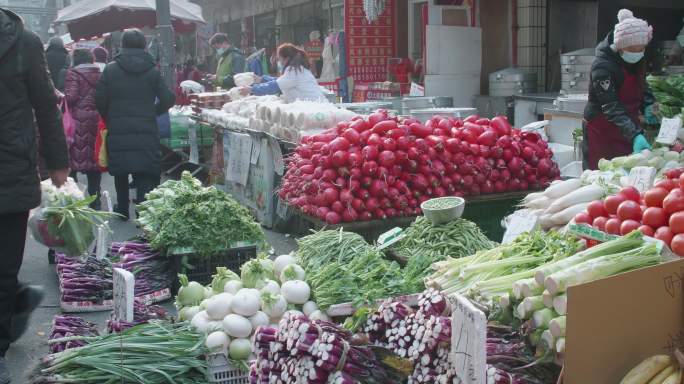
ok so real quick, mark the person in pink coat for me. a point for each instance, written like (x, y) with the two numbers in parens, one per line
(79, 92)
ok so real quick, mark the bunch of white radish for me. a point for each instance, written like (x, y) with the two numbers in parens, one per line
(231, 317)
(556, 206)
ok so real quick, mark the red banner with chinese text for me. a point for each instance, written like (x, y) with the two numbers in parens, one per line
(369, 46)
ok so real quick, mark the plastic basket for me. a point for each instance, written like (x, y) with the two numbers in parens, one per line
(201, 269)
(220, 371)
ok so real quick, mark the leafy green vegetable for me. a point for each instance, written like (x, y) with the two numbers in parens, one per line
(669, 93)
(183, 214)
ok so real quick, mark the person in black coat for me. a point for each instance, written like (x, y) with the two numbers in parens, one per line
(58, 61)
(25, 90)
(125, 97)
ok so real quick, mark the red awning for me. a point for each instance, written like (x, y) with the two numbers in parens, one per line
(90, 18)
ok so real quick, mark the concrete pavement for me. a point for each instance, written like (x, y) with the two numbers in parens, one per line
(24, 355)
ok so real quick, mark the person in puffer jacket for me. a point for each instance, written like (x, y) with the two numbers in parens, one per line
(618, 93)
(129, 96)
(79, 92)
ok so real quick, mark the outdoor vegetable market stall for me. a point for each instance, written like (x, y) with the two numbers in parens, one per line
(435, 301)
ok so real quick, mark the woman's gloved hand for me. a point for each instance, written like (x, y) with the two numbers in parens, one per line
(640, 143)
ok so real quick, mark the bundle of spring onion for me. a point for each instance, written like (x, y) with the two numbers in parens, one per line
(66, 326)
(422, 336)
(541, 300)
(142, 313)
(153, 353)
(315, 352)
(510, 361)
(489, 274)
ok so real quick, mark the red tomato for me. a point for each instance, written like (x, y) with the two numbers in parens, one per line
(596, 209)
(611, 203)
(677, 222)
(600, 223)
(613, 226)
(654, 196)
(677, 245)
(646, 230)
(629, 210)
(668, 184)
(583, 218)
(628, 226)
(654, 217)
(664, 234)
(674, 202)
(681, 181)
(631, 193)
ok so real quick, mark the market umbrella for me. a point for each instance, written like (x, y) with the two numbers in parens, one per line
(89, 18)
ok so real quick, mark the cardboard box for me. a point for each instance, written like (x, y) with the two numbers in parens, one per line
(615, 323)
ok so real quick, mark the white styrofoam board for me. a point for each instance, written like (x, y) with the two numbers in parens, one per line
(453, 50)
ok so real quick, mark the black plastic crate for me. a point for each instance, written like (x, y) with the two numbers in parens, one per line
(200, 269)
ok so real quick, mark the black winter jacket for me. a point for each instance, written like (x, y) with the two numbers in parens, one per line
(58, 61)
(125, 97)
(25, 89)
(605, 82)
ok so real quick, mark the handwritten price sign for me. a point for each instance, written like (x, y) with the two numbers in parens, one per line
(468, 340)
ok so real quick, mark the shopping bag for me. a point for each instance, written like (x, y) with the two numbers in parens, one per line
(101, 146)
(68, 123)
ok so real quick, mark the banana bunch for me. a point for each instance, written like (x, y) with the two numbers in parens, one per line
(658, 369)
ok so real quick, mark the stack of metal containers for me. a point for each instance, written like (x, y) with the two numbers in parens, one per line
(575, 70)
(511, 82)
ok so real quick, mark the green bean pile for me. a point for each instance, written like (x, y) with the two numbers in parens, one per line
(457, 238)
(323, 247)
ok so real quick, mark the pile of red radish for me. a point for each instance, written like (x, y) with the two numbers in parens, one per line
(659, 212)
(378, 166)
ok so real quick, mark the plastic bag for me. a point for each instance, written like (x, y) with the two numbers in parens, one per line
(68, 123)
(51, 226)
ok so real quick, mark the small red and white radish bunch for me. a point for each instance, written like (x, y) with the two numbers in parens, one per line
(379, 166)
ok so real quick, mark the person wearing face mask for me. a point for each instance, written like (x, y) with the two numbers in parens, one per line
(618, 93)
(296, 81)
(230, 61)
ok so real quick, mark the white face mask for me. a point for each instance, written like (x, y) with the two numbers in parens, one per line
(219, 51)
(632, 57)
(281, 67)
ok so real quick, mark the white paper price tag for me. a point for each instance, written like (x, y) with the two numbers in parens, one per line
(416, 90)
(281, 209)
(108, 201)
(468, 340)
(519, 223)
(124, 285)
(101, 243)
(256, 150)
(278, 161)
(642, 178)
(668, 130)
(194, 149)
(239, 156)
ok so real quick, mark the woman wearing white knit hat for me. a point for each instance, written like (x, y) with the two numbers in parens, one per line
(618, 92)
